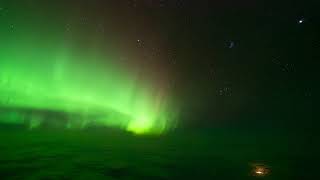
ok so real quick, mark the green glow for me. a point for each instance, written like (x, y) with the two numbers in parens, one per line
(88, 86)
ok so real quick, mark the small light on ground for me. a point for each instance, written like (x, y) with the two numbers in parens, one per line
(260, 170)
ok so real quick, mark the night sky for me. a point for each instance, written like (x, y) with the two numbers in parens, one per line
(159, 89)
(242, 63)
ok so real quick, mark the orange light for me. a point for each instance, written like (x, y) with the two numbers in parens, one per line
(260, 170)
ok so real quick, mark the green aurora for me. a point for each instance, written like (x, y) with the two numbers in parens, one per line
(60, 73)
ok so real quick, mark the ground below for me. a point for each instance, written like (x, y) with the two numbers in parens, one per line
(214, 154)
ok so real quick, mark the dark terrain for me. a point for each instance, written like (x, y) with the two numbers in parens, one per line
(212, 154)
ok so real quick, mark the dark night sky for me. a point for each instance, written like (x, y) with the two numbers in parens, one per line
(248, 62)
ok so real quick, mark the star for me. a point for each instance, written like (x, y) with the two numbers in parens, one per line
(231, 44)
(301, 20)
(67, 27)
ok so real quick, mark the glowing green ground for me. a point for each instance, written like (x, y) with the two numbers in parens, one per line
(113, 155)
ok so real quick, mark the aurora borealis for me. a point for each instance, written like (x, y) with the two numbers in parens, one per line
(49, 67)
(64, 85)
(159, 89)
